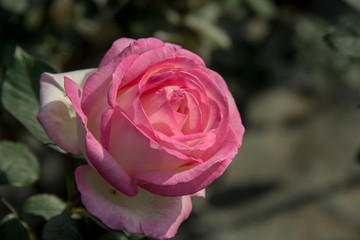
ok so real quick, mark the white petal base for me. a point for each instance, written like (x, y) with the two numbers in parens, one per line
(155, 216)
(57, 114)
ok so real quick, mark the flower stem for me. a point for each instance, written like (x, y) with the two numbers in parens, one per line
(10, 207)
(31, 233)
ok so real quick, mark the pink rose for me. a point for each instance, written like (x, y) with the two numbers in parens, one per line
(155, 125)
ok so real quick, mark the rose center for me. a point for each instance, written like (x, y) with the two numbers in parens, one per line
(175, 98)
(166, 108)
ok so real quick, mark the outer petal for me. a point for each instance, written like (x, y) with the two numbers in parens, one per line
(135, 152)
(155, 216)
(190, 181)
(97, 89)
(235, 120)
(117, 47)
(200, 194)
(156, 59)
(92, 149)
(215, 94)
(100, 81)
(57, 114)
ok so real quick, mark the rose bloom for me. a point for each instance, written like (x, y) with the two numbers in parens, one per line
(155, 125)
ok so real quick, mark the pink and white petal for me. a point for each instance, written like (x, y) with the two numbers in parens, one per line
(141, 46)
(117, 77)
(192, 186)
(106, 129)
(191, 55)
(56, 113)
(116, 49)
(155, 78)
(187, 53)
(125, 142)
(96, 88)
(180, 143)
(213, 91)
(60, 125)
(133, 109)
(159, 59)
(103, 76)
(191, 180)
(193, 122)
(200, 194)
(131, 52)
(235, 120)
(94, 101)
(156, 216)
(212, 115)
(108, 167)
(193, 85)
(100, 81)
(160, 113)
(96, 155)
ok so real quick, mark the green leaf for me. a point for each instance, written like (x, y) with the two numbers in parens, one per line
(1, 81)
(20, 91)
(345, 36)
(44, 205)
(61, 227)
(113, 236)
(18, 6)
(18, 166)
(264, 8)
(209, 30)
(138, 236)
(353, 3)
(11, 228)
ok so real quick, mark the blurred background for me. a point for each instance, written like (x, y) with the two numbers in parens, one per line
(297, 175)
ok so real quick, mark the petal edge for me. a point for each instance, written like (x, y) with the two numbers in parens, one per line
(155, 216)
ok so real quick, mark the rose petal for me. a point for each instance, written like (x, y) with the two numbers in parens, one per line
(200, 194)
(155, 216)
(56, 113)
(128, 56)
(117, 77)
(157, 59)
(160, 113)
(235, 120)
(134, 110)
(214, 93)
(106, 129)
(180, 95)
(94, 98)
(189, 84)
(193, 122)
(99, 82)
(202, 142)
(96, 155)
(116, 49)
(191, 180)
(125, 142)
(190, 55)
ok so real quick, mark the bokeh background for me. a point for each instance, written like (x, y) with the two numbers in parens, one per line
(297, 175)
